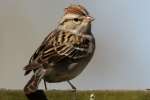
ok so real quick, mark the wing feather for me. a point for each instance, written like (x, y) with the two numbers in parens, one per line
(54, 49)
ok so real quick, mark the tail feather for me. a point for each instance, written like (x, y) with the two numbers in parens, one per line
(28, 68)
(33, 83)
(31, 66)
(27, 72)
(31, 86)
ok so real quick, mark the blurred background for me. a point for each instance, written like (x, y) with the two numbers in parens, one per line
(121, 29)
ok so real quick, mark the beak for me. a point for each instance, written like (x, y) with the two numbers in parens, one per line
(89, 18)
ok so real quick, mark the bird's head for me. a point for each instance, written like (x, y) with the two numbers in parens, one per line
(76, 19)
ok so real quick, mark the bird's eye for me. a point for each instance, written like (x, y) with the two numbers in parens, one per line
(76, 21)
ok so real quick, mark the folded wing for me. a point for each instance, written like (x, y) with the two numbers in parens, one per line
(56, 47)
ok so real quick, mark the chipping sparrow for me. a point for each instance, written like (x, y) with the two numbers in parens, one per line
(65, 52)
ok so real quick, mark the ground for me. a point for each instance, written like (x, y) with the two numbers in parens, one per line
(81, 95)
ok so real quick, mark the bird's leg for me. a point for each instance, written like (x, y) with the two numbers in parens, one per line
(74, 89)
(33, 83)
(72, 86)
(45, 85)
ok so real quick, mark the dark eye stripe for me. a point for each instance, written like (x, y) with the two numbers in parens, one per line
(74, 19)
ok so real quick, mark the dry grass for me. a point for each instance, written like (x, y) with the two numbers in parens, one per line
(81, 95)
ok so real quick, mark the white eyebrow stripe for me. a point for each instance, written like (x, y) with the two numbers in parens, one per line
(70, 16)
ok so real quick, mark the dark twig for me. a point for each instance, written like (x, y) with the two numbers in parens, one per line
(37, 95)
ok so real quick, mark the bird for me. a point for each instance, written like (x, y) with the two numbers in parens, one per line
(65, 52)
